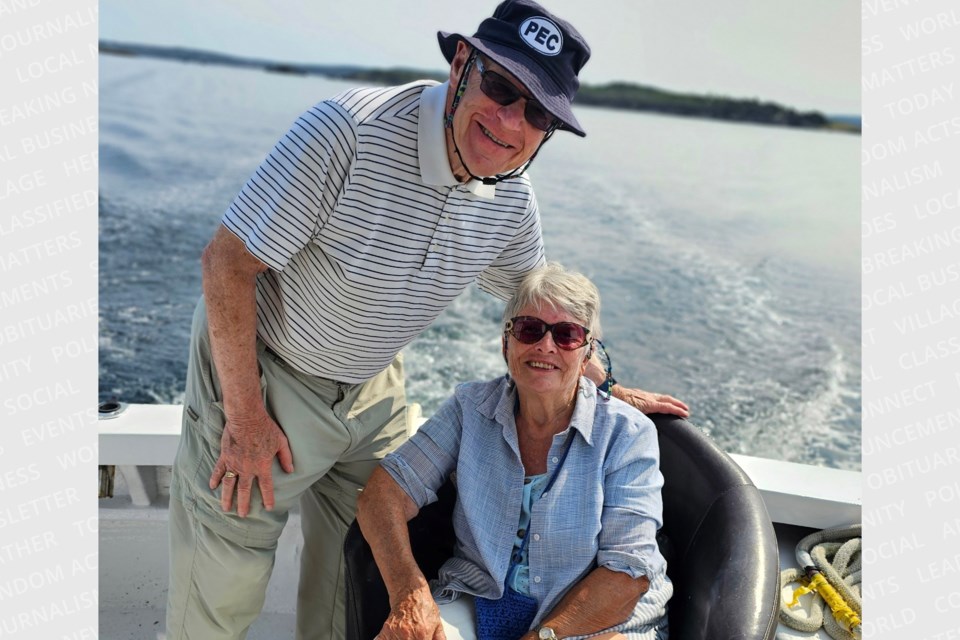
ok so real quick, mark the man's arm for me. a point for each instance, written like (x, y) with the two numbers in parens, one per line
(645, 401)
(383, 511)
(601, 600)
(251, 438)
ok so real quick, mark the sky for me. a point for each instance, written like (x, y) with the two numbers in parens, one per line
(804, 55)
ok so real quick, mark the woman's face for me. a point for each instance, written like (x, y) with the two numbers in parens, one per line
(543, 367)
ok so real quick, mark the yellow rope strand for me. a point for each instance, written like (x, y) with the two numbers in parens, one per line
(841, 610)
(802, 591)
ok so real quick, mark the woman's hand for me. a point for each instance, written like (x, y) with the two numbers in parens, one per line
(414, 616)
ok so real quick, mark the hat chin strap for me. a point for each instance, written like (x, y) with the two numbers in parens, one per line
(448, 124)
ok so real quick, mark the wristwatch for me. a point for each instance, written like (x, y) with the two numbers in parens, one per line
(547, 633)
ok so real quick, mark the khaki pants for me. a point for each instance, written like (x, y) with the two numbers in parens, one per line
(220, 563)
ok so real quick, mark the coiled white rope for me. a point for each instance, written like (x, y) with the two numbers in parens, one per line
(831, 561)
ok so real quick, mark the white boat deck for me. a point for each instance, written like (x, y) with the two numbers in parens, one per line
(134, 572)
(142, 442)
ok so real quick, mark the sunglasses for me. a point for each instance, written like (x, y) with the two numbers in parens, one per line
(529, 330)
(503, 92)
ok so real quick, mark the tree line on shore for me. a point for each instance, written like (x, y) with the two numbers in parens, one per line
(615, 95)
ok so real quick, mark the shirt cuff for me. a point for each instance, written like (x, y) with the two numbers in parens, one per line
(404, 475)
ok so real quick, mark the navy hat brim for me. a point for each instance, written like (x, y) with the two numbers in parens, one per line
(521, 66)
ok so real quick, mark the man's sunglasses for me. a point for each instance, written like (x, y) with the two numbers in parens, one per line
(503, 92)
(529, 330)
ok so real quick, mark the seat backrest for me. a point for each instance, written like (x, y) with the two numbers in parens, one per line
(720, 545)
(717, 537)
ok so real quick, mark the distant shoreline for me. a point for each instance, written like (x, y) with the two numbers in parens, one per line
(616, 95)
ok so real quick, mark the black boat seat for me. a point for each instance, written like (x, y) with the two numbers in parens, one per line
(717, 537)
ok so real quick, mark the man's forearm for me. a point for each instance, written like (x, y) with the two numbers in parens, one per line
(251, 439)
(595, 370)
(645, 401)
(229, 287)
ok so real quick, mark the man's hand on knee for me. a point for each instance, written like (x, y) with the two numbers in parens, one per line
(247, 450)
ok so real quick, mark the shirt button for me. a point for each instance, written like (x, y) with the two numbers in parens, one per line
(536, 536)
(556, 459)
(537, 579)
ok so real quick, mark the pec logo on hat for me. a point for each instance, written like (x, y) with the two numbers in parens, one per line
(542, 34)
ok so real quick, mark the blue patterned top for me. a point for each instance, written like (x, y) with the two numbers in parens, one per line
(533, 487)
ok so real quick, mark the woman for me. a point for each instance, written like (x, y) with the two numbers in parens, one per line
(558, 493)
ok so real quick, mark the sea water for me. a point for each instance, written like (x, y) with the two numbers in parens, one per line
(727, 255)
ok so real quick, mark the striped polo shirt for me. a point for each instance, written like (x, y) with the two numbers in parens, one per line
(367, 233)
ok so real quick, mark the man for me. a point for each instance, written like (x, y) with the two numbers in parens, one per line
(366, 220)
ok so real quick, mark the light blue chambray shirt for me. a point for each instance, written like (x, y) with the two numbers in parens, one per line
(603, 510)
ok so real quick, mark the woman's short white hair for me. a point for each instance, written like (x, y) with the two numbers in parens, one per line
(554, 286)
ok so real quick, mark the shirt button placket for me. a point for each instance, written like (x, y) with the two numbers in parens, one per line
(448, 205)
(434, 240)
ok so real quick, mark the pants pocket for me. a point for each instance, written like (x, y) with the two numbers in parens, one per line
(382, 399)
(213, 418)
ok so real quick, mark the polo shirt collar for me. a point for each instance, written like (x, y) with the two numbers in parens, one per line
(432, 145)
